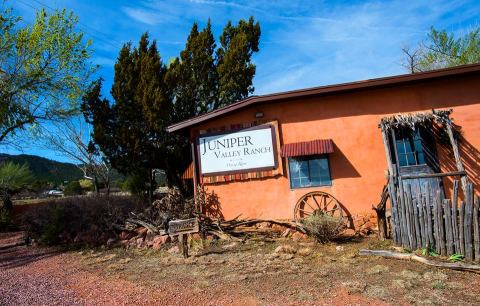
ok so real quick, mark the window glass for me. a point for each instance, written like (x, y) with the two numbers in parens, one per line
(309, 171)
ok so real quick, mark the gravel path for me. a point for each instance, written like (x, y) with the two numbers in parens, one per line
(41, 276)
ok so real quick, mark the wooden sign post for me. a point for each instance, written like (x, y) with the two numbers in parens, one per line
(182, 228)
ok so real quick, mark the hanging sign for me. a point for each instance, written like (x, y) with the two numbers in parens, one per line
(239, 151)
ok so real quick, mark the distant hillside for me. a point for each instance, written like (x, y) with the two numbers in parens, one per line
(46, 169)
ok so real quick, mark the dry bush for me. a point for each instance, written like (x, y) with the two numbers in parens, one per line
(89, 220)
(172, 206)
(323, 228)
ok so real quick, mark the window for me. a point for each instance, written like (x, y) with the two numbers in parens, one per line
(309, 171)
(415, 147)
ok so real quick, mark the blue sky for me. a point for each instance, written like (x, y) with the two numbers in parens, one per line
(303, 43)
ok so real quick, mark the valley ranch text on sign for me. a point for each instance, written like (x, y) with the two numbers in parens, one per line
(239, 151)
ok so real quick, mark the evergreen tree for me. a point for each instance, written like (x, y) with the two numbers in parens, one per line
(234, 65)
(131, 131)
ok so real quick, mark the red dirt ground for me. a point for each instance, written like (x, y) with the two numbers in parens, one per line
(225, 275)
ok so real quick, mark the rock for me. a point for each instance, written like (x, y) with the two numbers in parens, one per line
(264, 225)
(378, 269)
(174, 250)
(141, 231)
(111, 242)
(354, 287)
(304, 252)
(160, 240)
(287, 249)
(299, 236)
(126, 235)
(149, 236)
(140, 243)
(349, 232)
(278, 228)
(340, 248)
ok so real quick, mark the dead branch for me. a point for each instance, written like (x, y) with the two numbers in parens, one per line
(388, 254)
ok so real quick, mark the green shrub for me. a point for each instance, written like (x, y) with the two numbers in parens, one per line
(73, 188)
(322, 227)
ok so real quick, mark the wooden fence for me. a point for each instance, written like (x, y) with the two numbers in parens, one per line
(421, 219)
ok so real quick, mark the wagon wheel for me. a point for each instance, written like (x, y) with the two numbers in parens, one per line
(319, 203)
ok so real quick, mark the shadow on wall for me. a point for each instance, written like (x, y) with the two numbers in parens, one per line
(212, 207)
(470, 158)
(340, 166)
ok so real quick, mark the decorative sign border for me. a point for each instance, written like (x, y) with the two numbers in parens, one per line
(258, 127)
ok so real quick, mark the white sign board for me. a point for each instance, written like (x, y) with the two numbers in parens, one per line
(241, 151)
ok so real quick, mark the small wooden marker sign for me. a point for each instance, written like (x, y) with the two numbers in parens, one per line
(183, 228)
(179, 227)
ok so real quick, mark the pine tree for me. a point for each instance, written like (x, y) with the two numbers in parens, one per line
(131, 132)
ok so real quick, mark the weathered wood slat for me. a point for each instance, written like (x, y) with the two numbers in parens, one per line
(441, 228)
(476, 229)
(429, 218)
(418, 235)
(448, 226)
(421, 221)
(411, 233)
(468, 222)
(455, 218)
(461, 225)
(435, 226)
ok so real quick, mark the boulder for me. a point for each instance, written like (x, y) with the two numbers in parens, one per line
(297, 236)
(287, 249)
(141, 231)
(304, 252)
(160, 240)
(124, 235)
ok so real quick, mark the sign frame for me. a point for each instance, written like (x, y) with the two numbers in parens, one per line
(253, 128)
(194, 229)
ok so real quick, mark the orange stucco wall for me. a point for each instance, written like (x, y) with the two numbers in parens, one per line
(351, 120)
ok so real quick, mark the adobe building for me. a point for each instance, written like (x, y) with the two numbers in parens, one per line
(286, 155)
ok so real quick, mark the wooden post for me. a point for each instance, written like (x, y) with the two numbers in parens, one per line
(391, 186)
(456, 154)
(456, 235)
(476, 229)
(183, 240)
(468, 222)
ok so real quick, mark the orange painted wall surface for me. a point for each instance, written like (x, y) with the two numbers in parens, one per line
(351, 120)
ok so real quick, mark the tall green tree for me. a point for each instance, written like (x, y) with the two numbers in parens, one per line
(205, 77)
(131, 131)
(149, 96)
(43, 69)
(442, 49)
(234, 61)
